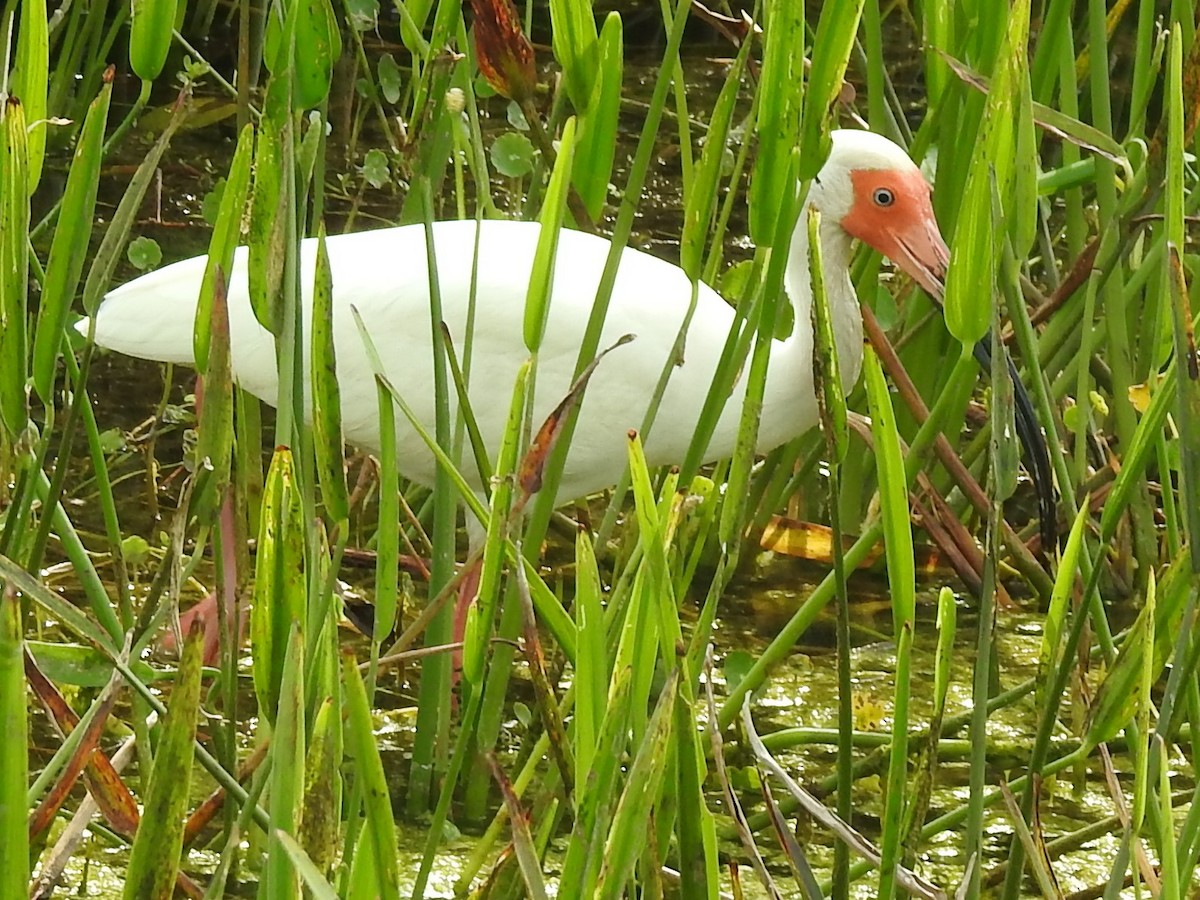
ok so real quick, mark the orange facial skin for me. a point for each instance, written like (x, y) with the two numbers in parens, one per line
(892, 212)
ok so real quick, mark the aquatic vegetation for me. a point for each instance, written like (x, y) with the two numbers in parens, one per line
(594, 717)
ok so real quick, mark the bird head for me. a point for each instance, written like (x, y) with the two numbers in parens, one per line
(878, 195)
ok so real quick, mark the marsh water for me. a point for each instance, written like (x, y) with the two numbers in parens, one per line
(801, 695)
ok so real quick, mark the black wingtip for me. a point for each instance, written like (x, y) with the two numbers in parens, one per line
(1037, 453)
(1034, 440)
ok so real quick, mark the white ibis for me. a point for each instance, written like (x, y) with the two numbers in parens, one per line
(868, 189)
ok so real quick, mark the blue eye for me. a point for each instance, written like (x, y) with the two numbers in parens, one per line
(883, 197)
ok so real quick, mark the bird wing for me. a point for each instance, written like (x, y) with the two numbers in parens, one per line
(384, 275)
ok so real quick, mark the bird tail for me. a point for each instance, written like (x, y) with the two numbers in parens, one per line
(151, 317)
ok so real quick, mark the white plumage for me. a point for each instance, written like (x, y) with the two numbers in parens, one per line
(383, 274)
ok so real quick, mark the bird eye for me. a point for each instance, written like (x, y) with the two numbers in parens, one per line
(883, 197)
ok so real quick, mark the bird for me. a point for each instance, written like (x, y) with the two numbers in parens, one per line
(868, 190)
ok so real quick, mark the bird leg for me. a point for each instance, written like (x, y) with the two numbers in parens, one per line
(468, 590)
(218, 606)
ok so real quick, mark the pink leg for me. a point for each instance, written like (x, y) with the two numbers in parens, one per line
(468, 590)
(204, 612)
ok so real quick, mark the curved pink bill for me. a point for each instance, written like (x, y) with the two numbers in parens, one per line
(906, 232)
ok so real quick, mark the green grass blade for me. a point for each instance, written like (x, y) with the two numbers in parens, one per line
(14, 273)
(982, 676)
(537, 300)
(1003, 446)
(28, 84)
(921, 790)
(947, 624)
(226, 235)
(836, 31)
(894, 510)
(1187, 414)
(57, 606)
(438, 820)
(1053, 44)
(700, 202)
(597, 144)
(379, 839)
(897, 791)
(318, 46)
(387, 535)
(523, 844)
(309, 872)
(321, 821)
(267, 232)
(14, 763)
(1142, 739)
(68, 250)
(1117, 696)
(1037, 858)
(897, 540)
(652, 537)
(279, 878)
(976, 251)
(781, 94)
(695, 829)
(430, 743)
(1053, 626)
(214, 443)
(831, 406)
(591, 671)
(460, 377)
(595, 800)
(154, 858)
(826, 368)
(475, 652)
(278, 580)
(1167, 848)
(573, 29)
(465, 493)
(150, 27)
(326, 402)
(105, 261)
(627, 836)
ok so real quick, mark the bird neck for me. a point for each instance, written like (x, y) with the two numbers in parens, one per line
(843, 301)
(791, 359)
